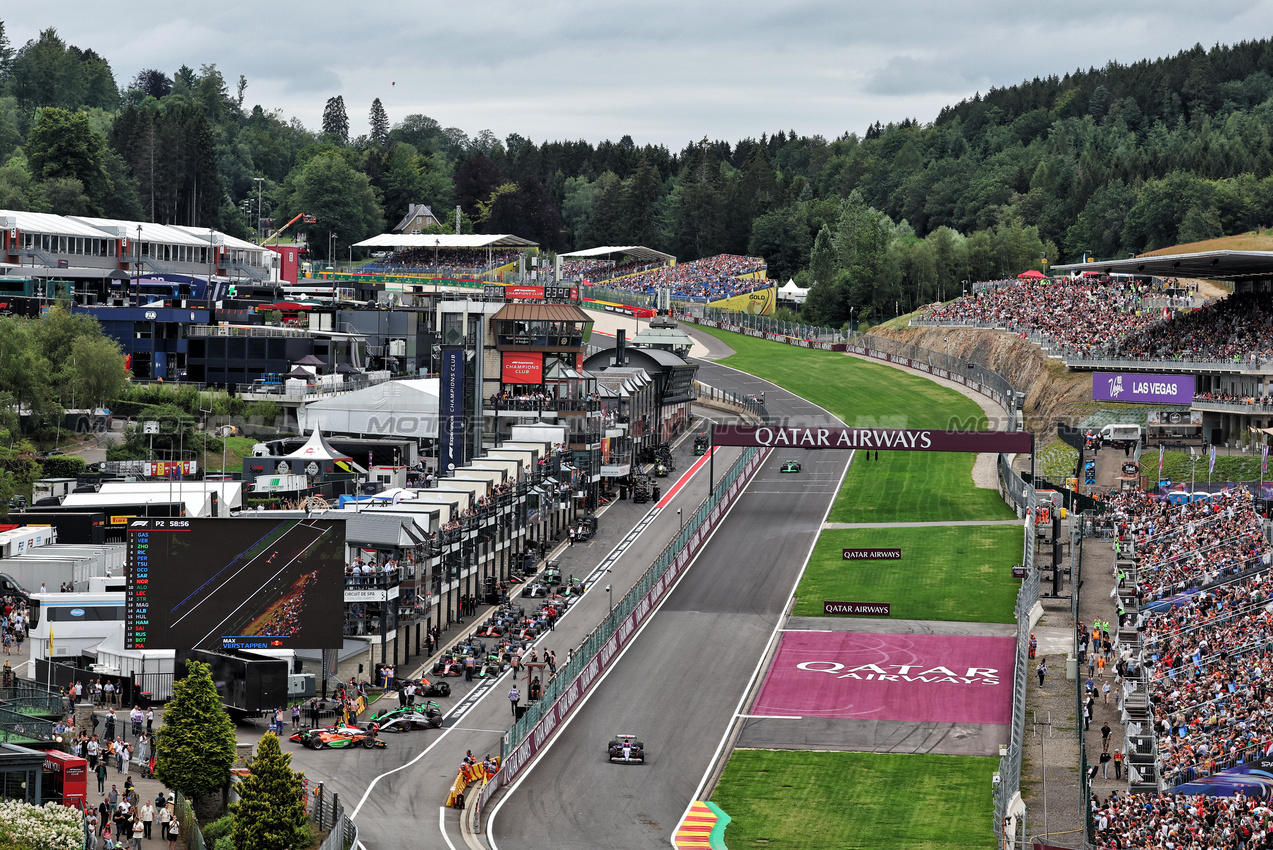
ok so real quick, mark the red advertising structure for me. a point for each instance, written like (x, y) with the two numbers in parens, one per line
(522, 368)
(289, 262)
(65, 779)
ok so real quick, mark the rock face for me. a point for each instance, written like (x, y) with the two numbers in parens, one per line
(1052, 392)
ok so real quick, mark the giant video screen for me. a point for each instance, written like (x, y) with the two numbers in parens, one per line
(235, 583)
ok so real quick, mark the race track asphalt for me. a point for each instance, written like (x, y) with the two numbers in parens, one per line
(677, 686)
(681, 682)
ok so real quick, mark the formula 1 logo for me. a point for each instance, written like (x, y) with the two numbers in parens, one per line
(139, 523)
(1116, 386)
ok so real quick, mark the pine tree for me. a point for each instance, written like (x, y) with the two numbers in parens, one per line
(195, 750)
(335, 121)
(379, 124)
(270, 813)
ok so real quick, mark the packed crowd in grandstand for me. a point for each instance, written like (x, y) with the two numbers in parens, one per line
(708, 279)
(1205, 565)
(470, 261)
(1089, 315)
(1239, 327)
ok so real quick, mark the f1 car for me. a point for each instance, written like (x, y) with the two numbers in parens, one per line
(450, 665)
(790, 466)
(626, 748)
(700, 444)
(338, 738)
(406, 718)
(660, 470)
(434, 689)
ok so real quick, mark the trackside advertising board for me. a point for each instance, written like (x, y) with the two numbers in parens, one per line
(1142, 389)
(565, 704)
(898, 439)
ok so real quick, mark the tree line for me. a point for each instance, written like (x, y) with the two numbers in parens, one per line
(1103, 161)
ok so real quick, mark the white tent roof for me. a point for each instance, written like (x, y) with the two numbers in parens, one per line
(196, 501)
(31, 222)
(434, 240)
(160, 233)
(225, 239)
(393, 409)
(791, 288)
(316, 448)
(229, 493)
(639, 252)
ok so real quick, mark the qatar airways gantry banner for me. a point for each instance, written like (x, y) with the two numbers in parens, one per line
(903, 439)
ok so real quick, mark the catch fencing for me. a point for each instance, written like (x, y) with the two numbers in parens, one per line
(1012, 487)
(1009, 776)
(602, 647)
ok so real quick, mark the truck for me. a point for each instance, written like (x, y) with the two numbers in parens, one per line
(1121, 435)
(247, 685)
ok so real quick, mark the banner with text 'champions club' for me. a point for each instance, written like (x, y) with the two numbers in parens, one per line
(452, 419)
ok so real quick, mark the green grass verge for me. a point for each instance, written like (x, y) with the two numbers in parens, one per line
(957, 573)
(800, 800)
(901, 486)
(915, 487)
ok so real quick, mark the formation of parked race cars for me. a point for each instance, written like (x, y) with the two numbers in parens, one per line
(501, 641)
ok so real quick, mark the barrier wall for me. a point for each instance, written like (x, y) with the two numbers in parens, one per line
(531, 733)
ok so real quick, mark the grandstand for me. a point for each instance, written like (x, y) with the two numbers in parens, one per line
(469, 255)
(705, 280)
(598, 265)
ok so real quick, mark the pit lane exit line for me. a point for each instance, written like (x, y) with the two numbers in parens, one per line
(685, 479)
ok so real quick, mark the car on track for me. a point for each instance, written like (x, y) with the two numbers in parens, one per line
(406, 718)
(790, 466)
(338, 738)
(625, 748)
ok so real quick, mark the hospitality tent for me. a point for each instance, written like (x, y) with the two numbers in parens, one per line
(406, 408)
(790, 292)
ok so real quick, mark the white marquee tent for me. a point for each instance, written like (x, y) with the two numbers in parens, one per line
(393, 409)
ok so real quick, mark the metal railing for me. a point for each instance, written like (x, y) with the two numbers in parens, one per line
(327, 813)
(750, 404)
(17, 728)
(1009, 781)
(587, 651)
(191, 834)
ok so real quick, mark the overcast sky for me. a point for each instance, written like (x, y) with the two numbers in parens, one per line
(663, 72)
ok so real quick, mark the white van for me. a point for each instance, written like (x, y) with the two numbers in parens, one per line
(1121, 435)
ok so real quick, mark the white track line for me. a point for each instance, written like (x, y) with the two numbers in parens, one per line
(490, 821)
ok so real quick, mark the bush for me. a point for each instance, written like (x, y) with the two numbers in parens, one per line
(225, 842)
(218, 829)
(63, 466)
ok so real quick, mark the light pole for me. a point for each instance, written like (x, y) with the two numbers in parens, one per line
(259, 183)
(610, 594)
(680, 519)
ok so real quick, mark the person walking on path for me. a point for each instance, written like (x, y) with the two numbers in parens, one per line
(1043, 671)
(147, 817)
(514, 697)
(101, 771)
(1118, 764)
(1105, 731)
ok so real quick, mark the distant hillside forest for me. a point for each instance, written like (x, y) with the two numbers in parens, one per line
(1107, 161)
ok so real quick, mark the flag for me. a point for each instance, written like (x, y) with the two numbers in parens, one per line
(50, 653)
(1264, 459)
(1161, 451)
(1211, 467)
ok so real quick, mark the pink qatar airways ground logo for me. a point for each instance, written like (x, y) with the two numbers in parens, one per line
(897, 677)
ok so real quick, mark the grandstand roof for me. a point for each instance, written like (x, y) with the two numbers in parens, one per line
(445, 240)
(31, 222)
(201, 233)
(1211, 265)
(160, 233)
(638, 252)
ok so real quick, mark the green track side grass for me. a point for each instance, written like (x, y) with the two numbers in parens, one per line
(800, 800)
(958, 573)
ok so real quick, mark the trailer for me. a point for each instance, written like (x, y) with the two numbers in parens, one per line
(247, 686)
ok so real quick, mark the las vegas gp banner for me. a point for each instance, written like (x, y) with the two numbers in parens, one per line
(911, 440)
(452, 418)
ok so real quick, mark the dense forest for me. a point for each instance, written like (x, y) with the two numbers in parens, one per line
(1106, 161)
